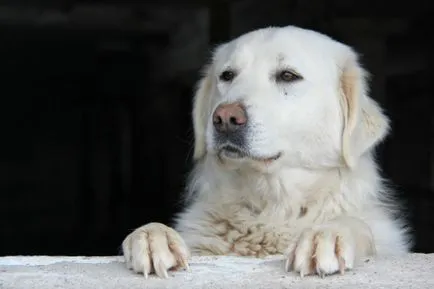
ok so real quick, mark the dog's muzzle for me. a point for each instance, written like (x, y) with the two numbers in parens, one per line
(230, 123)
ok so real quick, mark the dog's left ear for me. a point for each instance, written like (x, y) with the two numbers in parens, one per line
(364, 122)
(201, 105)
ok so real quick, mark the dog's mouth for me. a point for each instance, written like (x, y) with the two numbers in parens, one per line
(236, 153)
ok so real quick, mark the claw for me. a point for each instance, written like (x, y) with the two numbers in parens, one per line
(287, 265)
(145, 272)
(165, 274)
(187, 267)
(160, 269)
(183, 263)
(341, 262)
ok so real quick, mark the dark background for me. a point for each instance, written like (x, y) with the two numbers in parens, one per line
(96, 97)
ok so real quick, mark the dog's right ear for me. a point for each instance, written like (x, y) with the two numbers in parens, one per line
(201, 107)
(365, 124)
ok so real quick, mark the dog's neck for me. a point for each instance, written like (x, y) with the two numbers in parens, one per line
(285, 186)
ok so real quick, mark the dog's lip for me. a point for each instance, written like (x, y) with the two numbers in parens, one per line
(242, 154)
(233, 149)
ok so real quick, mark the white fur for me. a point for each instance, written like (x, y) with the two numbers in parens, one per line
(323, 202)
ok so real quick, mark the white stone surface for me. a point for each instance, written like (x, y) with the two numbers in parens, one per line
(45, 272)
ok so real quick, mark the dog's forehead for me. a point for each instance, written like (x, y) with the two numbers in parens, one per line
(276, 46)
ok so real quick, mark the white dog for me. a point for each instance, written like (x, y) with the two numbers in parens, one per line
(284, 139)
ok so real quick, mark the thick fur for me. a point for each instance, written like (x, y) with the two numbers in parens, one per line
(322, 203)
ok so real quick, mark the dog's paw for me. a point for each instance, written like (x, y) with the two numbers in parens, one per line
(322, 251)
(155, 248)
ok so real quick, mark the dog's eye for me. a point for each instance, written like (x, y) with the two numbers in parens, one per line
(286, 76)
(227, 75)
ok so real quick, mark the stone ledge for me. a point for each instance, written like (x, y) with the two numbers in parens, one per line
(410, 271)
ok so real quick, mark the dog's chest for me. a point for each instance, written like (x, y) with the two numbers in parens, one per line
(245, 233)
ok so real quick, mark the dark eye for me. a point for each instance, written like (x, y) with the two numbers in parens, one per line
(227, 75)
(287, 76)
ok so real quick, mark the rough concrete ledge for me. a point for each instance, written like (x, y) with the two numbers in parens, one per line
(45, 272)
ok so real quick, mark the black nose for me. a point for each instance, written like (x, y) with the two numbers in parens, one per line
(228, 118)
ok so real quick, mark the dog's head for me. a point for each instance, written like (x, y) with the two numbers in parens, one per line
(285, 96)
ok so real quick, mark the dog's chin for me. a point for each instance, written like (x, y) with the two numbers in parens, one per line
(237, 155)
